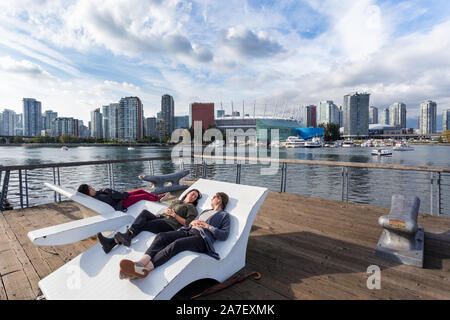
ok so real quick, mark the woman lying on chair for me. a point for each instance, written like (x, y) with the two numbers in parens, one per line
(119, 200)
(199, 236)
(180, 213)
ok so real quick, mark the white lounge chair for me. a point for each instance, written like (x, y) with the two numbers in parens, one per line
(95, 275)
(74, 231)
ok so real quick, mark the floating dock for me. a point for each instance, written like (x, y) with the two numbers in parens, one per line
(304, 248)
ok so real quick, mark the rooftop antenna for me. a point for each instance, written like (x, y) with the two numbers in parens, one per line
(254, 110)
(243, 110)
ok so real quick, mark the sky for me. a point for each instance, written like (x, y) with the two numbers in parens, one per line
(77, 55)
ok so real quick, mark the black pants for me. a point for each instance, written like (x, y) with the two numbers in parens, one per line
(168, 244)
(147, 221)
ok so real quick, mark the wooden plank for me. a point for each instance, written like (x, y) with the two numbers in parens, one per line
(305, 248)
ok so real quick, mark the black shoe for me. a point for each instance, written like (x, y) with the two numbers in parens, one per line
(107, 243)
(124, 238)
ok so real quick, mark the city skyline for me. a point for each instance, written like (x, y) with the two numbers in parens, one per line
(78, 57)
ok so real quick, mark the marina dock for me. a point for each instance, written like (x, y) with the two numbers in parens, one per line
(304, 248)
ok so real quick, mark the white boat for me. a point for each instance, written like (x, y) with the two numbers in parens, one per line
(348, 144)
(64, 148)
(403, 146)
(369, 143)
(381, 152)
(313, 143)
(330, 145)
(294, 142)
(130, 148)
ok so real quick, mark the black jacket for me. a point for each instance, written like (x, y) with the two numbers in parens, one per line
(112, 197)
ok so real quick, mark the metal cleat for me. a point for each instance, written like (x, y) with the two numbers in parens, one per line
(402, 240)
(160, 181)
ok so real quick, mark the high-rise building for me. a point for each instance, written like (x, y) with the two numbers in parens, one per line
(65, 125)
(356, 114)
(310, 116)
(327, 112)
(167, 115)
(130, 119)
(427, 117)
(203, 112)
(384, 119)
(181, 122)
(397, 114)
(373, 115)
(8, 125)
(96, 124)
(32, 114)
(49, 116)
(114, 121)
(19, 124)
(105, 119)
(341, 116)
(446, 120)
(151, 129)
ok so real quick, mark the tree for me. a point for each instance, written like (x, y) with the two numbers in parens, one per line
(446, 136)
(331, 131)
(18, 139)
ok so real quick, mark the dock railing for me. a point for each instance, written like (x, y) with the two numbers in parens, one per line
(24, 170)
(436, 174)
(435, 177)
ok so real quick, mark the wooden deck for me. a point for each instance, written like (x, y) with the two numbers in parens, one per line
(304, 248)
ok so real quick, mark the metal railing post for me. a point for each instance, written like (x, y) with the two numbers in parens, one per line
(238, 173)
(112, 177)
(438, 183)
(4, 190)
(109, 175)
(151, 168)
(54, 180)
(181, 164)
(346, 184)
(431, 192)
(283, 177)
(20, 189)
(204, 170)
(26, 188)
(342, 183)
(59, 183)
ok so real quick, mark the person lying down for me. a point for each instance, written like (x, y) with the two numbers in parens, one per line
(199, 236)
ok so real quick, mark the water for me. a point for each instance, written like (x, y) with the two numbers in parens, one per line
(370, 186)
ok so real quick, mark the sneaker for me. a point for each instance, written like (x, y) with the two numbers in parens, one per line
(124, 238)
(123, 276)
(133, 269)
(107, 243)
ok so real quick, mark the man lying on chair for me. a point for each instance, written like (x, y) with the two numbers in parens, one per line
(120, 201)
(180, 213)
(212, 224)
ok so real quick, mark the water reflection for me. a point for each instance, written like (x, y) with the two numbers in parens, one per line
(371, 186)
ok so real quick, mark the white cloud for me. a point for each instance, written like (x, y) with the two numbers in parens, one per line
(214, 50)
